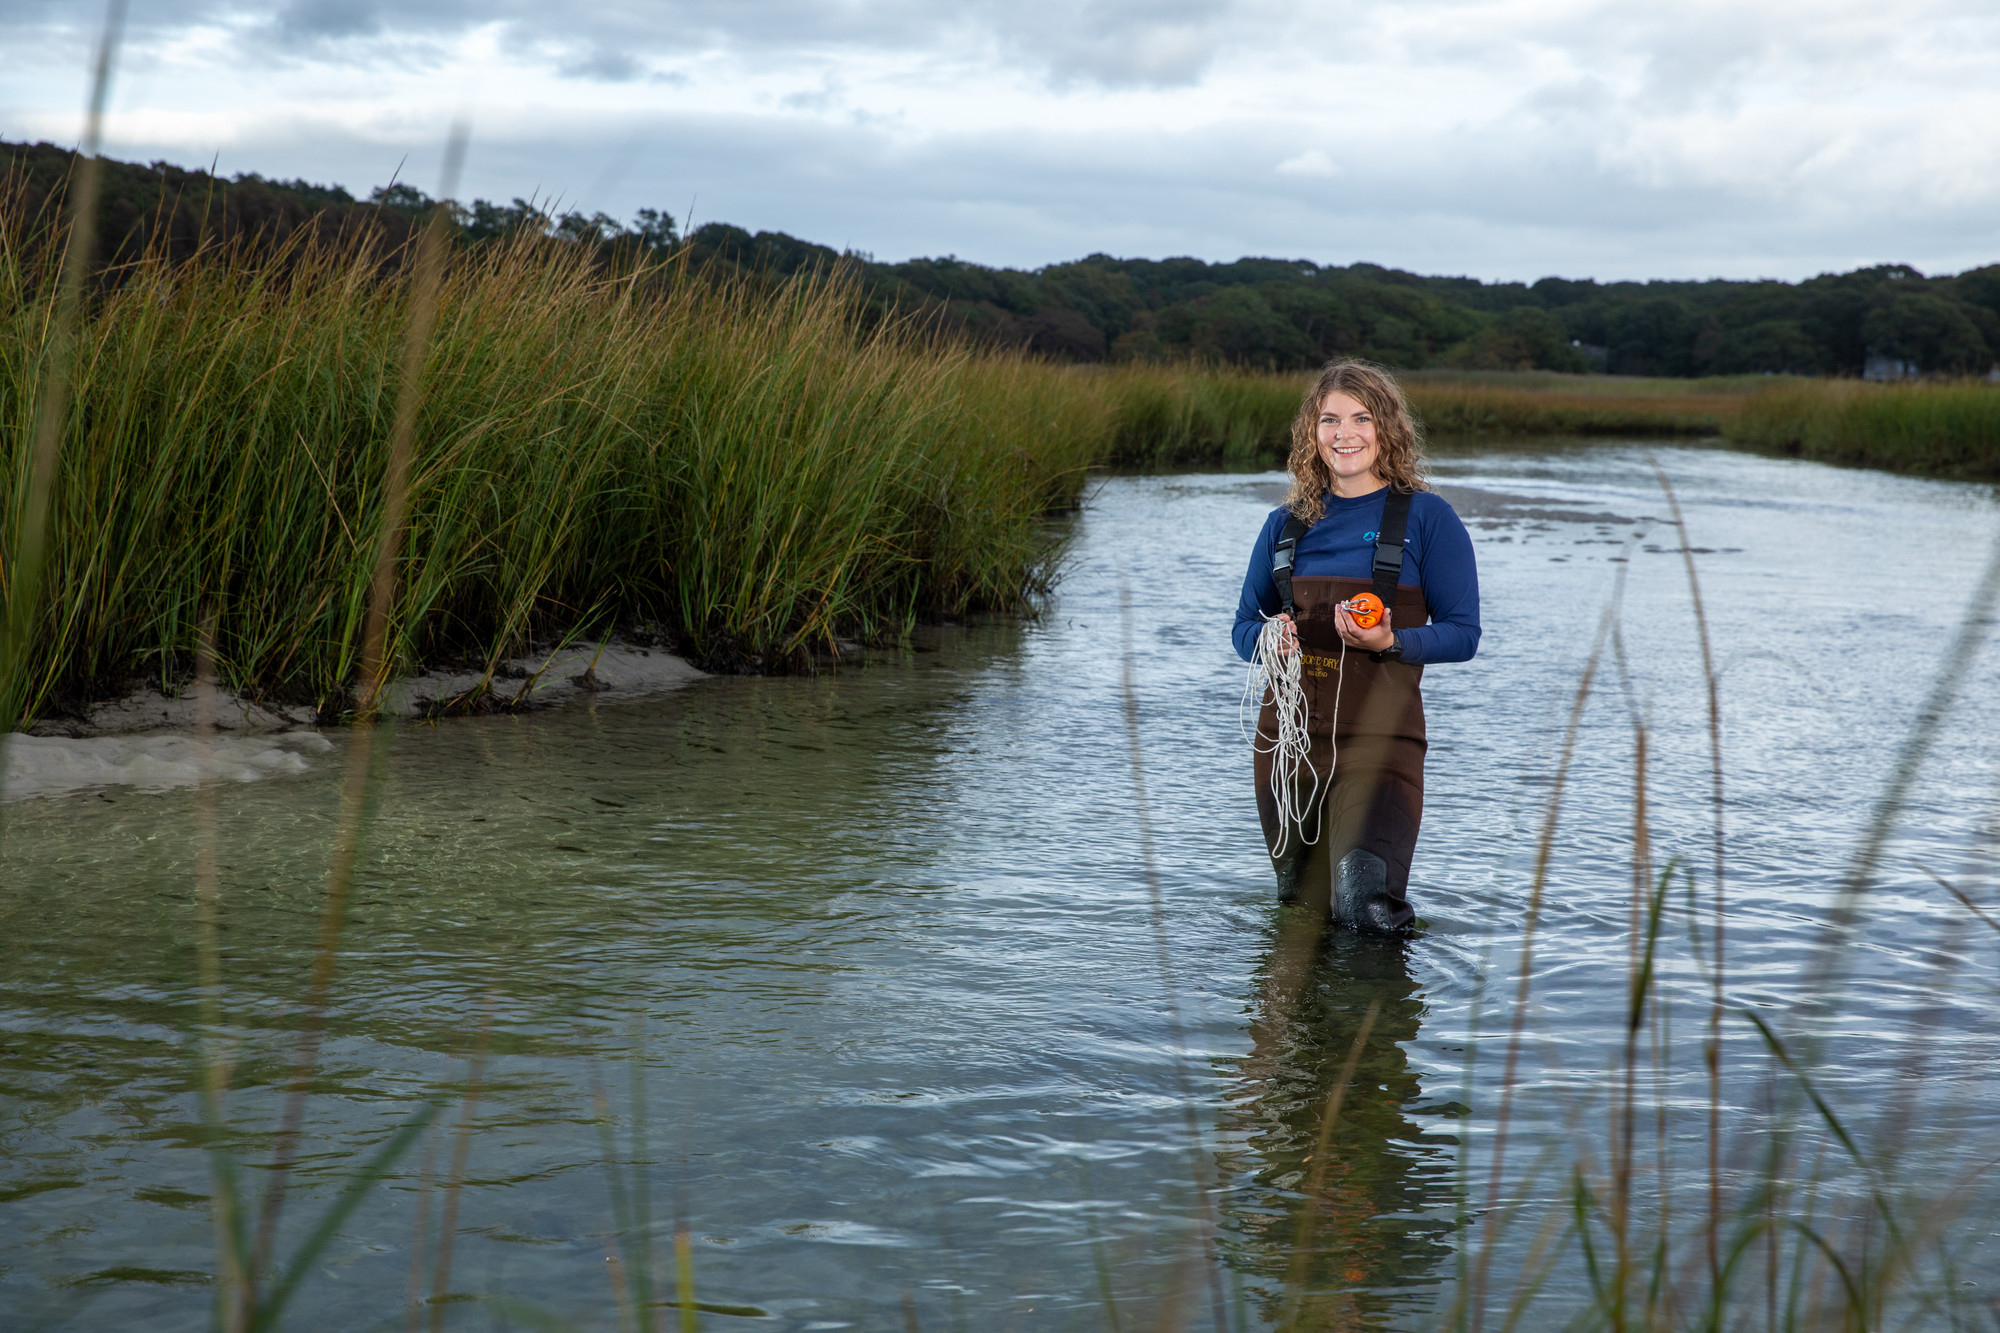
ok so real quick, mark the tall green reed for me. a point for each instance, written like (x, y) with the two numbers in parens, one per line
(756, 471)
(1195, 413)
(44, 355)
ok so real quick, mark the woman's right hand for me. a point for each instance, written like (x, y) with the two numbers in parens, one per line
(1288, 638)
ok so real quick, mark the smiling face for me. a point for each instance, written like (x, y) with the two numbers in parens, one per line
(1346, 438)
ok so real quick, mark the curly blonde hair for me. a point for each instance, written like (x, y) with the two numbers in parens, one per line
(1399, 442)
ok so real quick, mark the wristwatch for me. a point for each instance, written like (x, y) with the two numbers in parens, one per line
(1394, 652)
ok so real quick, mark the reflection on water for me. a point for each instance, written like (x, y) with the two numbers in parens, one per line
(1336, 1199)
(873, 951)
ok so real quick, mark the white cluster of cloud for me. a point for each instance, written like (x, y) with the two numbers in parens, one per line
(1503, 138)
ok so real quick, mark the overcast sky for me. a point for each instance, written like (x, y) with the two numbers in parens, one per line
(1498, 138)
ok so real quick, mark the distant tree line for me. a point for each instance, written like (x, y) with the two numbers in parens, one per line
(1288, 314)
(1277, 313)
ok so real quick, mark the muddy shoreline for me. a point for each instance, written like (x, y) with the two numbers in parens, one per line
(150, 740)
(582, 671)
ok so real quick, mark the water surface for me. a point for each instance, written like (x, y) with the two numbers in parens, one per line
(863, 976)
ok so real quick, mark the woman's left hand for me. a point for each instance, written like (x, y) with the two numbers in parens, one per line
(1368, 640)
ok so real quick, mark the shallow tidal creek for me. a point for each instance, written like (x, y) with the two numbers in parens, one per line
(857, 980)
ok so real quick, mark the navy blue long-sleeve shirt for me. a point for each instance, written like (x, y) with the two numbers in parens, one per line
(1437, 557)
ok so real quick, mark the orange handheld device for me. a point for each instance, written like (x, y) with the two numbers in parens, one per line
(1366, 608)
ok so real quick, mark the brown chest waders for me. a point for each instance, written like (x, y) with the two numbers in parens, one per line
(1349, 855)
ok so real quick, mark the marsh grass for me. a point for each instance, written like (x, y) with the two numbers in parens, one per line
(755, 467)
(49, 353)
(1449, 407)
(1199, 414)
(1934, 429)
(1595, 386)
(1209, 414)
(753, 470)
(1940, 429)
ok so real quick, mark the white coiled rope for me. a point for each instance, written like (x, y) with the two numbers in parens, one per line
(1279, 670)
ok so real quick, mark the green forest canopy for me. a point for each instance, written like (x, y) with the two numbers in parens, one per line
(1277, 313)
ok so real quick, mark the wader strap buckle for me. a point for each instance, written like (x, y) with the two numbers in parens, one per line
(1281, 559)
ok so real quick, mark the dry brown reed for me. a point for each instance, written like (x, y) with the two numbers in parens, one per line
(1792, 1243)
(1713, 1052)
(1207, 1257)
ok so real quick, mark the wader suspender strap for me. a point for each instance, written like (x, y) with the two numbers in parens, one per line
(1388, 565)
(1281, 559)
(1388, 568)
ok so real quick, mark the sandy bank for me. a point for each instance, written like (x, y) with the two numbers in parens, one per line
(59, 765)
(148, 740)
(585, 672)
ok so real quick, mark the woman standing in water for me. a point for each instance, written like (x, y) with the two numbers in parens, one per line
(1360, 518)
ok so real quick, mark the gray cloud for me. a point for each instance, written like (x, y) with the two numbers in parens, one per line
(1723, 137)
(1488, 209)
(603, 64)
(1112, 42)
(314, 20)
(1118, 42)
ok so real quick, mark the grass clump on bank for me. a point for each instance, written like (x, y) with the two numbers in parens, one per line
(1193, 413)
(1940, 429)
(756, 472)
(1550, 404)
(1947, 429)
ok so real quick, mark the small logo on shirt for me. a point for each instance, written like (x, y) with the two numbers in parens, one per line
(1370, 536)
